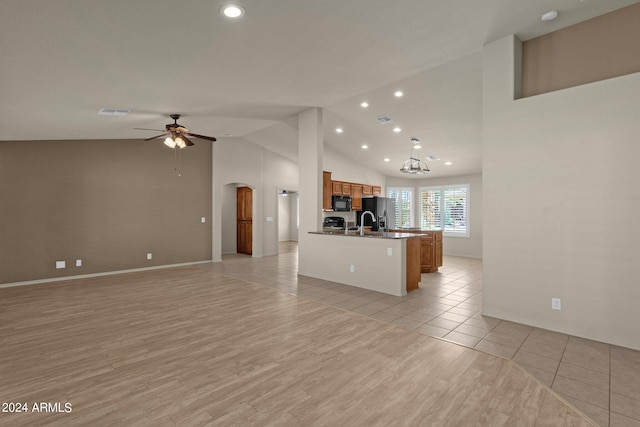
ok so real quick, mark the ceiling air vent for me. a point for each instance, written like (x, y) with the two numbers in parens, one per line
(384, 120)
(114, 111)
(432, 158)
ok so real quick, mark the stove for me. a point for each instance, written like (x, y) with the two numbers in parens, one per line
(333, 222)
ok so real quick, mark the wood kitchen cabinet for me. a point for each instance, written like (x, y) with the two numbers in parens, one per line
(326, 191)
(341, 188)
(336, 188)
(244, 220)
(430, 249)
(356, 197)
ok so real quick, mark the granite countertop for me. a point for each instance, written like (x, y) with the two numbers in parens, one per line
(414, 229)
(370, 234)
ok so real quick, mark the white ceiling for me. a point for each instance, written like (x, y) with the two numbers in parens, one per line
(63, 60)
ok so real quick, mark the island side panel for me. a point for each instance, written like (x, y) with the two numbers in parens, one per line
(330, 258)
(413, 263)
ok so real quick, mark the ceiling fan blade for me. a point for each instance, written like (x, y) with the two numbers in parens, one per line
(158, 130)
(157, 136)
(186, 140)
(195, 135)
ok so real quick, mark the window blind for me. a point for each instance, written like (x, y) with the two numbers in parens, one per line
(445, 208)
(403, 197)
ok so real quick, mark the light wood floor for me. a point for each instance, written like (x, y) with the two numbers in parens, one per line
(191, 346)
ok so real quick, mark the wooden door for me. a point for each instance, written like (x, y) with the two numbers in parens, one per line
(244, 215)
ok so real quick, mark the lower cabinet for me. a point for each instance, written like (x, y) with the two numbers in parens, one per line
(430, 249)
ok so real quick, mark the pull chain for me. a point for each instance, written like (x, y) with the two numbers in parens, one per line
(177, 161)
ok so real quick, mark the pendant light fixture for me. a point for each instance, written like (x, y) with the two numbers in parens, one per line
(413, 165)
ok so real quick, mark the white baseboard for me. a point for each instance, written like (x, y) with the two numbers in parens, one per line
(106, 273)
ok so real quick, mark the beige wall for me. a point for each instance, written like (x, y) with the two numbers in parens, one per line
(106, 202)
(345, 169)
(561, 203)
(237, 161)
(597, 49)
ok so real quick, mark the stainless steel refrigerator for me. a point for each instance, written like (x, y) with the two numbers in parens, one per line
(383, 208)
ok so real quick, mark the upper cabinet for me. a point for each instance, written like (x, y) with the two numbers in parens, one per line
(356, 197)
(326, 190)
(336, 188)
(341, 188)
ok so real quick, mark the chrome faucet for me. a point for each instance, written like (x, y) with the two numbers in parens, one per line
(373, 217)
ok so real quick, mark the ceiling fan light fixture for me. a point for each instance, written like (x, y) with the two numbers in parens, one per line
(180, 142)
(169, 142)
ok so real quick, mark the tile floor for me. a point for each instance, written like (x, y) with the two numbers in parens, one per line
(601, 380)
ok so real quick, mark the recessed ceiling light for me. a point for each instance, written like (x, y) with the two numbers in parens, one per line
(398, 94)
(549, 16)
(364, 104)
(232, 11)
(339, 130)
(448, 163)
(386, 159)
(365, 146)
(396, 130)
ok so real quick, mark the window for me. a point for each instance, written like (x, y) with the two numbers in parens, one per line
(445, 208)
(403, 197)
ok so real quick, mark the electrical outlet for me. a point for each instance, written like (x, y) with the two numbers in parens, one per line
(352, 268)
(149, 255)
(60, 264)
(556, 304)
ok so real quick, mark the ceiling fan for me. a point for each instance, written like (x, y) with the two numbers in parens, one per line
(177, 135)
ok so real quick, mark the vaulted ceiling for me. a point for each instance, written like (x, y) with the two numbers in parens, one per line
(64, 60)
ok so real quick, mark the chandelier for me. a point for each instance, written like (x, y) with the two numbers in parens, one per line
(413, 165)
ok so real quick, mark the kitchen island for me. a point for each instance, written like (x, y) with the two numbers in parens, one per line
(380, 261)
(430, 247)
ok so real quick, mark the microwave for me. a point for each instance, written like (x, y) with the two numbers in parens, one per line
(341, 203)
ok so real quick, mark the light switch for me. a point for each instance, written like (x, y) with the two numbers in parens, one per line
(60, 264)
(269, 219)
(556, 304)
(149, 255)
(203, 220)
(78, 263)
(390, 251)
